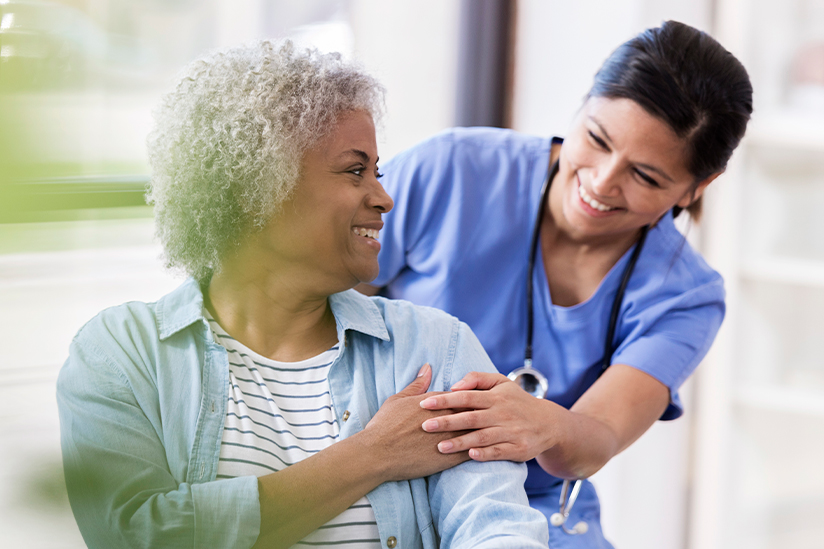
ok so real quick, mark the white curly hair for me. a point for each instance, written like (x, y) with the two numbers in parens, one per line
(228, 141)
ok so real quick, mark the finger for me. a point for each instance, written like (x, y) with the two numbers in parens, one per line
(463, 421)
(420, 384)
(474, 440)
(461, 399)
(496, 452)
(479, 380)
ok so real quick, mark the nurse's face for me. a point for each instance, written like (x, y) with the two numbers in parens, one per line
(620, 169)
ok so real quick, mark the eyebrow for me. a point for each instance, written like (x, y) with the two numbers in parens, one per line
(645, 166)
(359, 153)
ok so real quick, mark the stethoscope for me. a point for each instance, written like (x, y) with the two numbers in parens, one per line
(534, 382)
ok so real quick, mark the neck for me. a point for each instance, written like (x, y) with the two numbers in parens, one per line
(270, 311)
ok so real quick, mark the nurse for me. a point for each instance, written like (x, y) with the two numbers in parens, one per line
(664, 114)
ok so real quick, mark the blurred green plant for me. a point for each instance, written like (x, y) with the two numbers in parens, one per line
(53, 58)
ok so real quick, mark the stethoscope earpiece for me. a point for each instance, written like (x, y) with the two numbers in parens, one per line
(557, 519)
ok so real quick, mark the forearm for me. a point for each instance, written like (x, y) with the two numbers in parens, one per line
(302, 497)
(608, 417)
(580, 446)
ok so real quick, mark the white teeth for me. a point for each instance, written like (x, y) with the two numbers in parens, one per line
(591, 201)
(368, 233)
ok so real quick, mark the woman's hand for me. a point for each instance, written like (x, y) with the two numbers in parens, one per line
(505, 422)
(404, 450)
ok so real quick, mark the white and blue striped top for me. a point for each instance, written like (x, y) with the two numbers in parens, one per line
(279, 413)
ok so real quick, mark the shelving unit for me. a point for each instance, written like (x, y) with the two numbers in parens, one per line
(759, 483)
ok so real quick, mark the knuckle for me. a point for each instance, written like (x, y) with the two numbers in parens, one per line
(483, 437)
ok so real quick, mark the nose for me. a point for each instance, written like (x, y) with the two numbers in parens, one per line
(606, 179)
(379, 199)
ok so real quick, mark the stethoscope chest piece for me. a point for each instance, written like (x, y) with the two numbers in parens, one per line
(530, 380)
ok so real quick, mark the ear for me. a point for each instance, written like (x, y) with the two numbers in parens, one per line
(696, 192)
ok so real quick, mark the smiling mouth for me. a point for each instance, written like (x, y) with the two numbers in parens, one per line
(368, 233)
(592, 202)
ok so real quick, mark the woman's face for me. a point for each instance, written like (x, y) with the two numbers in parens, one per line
(329, 227)
(620, 169)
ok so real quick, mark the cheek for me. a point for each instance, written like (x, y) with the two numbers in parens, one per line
(651, 202)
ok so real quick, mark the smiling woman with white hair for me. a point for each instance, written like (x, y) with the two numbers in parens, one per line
(258, 403)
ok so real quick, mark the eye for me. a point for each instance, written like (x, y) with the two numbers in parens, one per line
(378, 174)
(600, 142)
(358, 170)
(647, 179)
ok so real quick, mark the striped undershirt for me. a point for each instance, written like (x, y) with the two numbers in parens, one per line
(279, 413)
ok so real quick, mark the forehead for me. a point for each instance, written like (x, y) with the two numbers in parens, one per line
(353, 131)
(642, 137)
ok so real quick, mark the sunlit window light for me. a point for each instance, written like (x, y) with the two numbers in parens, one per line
(7, 21)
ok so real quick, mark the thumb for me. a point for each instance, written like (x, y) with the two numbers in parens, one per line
(420, 384)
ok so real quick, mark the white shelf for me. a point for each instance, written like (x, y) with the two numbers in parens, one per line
(782, 399)
(787, 129)
(785, 270)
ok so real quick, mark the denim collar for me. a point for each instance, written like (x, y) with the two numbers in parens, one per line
(184, 306)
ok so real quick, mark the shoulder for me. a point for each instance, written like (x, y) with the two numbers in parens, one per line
(373, 315)
(441, 338)
(130, 324)
(413, 334)
(111, 350)
(675, 268)
(472, 143)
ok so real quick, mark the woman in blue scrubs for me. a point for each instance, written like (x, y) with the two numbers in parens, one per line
(660, 123)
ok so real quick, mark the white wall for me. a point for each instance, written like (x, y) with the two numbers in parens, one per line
(560, 45)
(412, 48)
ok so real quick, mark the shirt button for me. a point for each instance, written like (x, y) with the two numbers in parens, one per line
(345, 417)
(391, 542)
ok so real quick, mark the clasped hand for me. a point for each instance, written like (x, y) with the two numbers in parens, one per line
(503, 421)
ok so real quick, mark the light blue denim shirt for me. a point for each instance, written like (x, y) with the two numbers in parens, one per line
(142, 401)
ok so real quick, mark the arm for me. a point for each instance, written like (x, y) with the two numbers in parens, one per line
(308, 494)
(123, 493)
(617, 409)
(483, 505)
(573, 443)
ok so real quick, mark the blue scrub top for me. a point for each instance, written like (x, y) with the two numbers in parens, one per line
(458, 238)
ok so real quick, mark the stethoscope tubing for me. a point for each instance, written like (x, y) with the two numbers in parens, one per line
(565, 506)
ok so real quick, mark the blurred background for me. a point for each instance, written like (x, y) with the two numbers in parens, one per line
(78, 79)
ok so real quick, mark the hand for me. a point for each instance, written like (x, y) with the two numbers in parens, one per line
(505, 422)
(402, 447)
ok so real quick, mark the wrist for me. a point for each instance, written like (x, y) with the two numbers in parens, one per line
(371, 455)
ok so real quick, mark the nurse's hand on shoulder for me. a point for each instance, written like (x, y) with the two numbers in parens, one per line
(506, 422)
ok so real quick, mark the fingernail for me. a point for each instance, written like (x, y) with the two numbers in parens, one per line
(423, 370)
(474, 454)
(444, 446)
(428, 403)
(458, 385)
(430, 425)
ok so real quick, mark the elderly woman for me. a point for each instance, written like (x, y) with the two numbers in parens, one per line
(256, 404)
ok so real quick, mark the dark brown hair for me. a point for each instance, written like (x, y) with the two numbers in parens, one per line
(687, 79)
